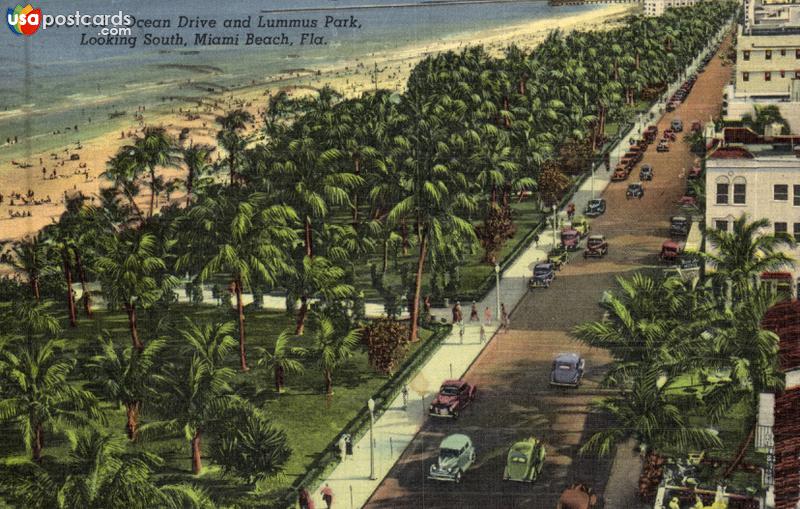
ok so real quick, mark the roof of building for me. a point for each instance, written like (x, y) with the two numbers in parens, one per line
(744, 143)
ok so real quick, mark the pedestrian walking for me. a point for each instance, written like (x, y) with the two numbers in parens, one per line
(461, 328)
(487, 315)
(483, 334)
(571, 211)
(405, 397)
(304, 499)
(473, 313)
(327, 495)
(457, 313)
(342, 448)
(504, 317)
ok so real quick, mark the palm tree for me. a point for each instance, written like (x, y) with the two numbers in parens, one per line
(155, 148)
(745, 252)
(229, 136)
(212, 342)
(124, 376)
(332, 348)
(37, 394)
(98, 473)
(28, 320)
(647, 413)
(283, 359)
(60, 239)
(29, 258)
(128, 265)
(436, 194)
(245, 239)
(197, 159)
(124, 173)
(193, 395)
(312, 278)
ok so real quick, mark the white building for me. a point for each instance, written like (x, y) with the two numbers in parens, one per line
(757, 175)
(657, 7)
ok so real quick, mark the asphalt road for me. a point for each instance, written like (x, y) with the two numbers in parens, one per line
(514, 399)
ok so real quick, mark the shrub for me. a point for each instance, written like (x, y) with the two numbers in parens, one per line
(387, 344)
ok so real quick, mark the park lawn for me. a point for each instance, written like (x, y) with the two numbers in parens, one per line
(310, 419)
(473, 271)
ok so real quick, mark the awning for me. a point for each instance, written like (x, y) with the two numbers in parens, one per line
(776, 276)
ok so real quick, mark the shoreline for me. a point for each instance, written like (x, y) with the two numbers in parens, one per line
(350, 75)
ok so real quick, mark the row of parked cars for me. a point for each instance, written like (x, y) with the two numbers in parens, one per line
(680, 95)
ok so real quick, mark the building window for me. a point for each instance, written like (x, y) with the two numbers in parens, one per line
(745, 55)
(797, 75)
(797, 54)
(722, 193)
(797, 232)
(768, 54)
(739, 193)
(783, 74)
(721, 225)
(745, 76)
(796, 192)
(780, 228)
(767, 76)
(783, 52)
(780, 192)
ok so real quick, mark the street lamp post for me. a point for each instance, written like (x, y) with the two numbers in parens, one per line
(593, 167)
(555, 225)
(371, 406)
(497, 289)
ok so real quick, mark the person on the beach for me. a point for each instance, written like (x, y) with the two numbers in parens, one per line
(473, 313)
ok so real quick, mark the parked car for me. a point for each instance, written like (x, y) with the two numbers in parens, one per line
(620, 173)
(524, 461)
(635, 191)
(570, 238)
(651, 133)
(595, 207)
(543, 274)
(453, 397)
(558, 257)
(456, 455)
(663, 146)
(676, 125)
(596, 247)
(670, 251)
(577, 496)
(567, 370)
(678, 226)
(669, 135)
(646, 172)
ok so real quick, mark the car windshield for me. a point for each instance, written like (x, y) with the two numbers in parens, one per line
(540, 271)
(564, 366)
(449, 390)
(595, 242)
(518, 458)
(448, 453)
(594, 203)
(569, 235)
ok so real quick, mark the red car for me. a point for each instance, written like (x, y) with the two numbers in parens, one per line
(453, 396)
(651, 133)
(620, 173)
(670, 251)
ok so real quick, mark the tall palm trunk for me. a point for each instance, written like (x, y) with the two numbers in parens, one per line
(743, 445)
(328, 381)
(132, 423)
(357, 171)
(34, 282)
(237, 288)
(197, 454)
(308, 237)
(189, 185)
(37, 444)
(133, 327)
(280, 376)
(152, 191)
(70, 296)
(87, 300)
(301, 316)
(423, 252)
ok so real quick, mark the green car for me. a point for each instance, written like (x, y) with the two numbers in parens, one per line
(525, 461)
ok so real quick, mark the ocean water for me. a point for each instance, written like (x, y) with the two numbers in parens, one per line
(61, 83)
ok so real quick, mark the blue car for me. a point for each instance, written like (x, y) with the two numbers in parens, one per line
(567, 370)
(543, 275)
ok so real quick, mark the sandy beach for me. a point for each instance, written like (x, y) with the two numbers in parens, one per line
(33, 187)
